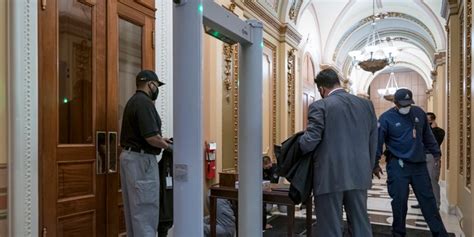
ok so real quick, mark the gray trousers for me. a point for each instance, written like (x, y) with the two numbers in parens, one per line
(434, 169)
(328, 210)
(140, 190)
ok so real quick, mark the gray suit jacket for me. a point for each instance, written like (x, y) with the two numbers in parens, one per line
(343, 130)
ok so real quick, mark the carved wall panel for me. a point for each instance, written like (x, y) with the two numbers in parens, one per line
(461, 97)
(235, 106)
(448, 95)
(291, 90)
(468, 90)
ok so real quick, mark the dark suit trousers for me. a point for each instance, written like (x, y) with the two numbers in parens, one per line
(328, 210)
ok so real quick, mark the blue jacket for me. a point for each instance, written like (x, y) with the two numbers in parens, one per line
(406, 137)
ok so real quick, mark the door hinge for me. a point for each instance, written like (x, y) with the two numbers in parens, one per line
(43, 4)
(45, 232)
(153, 39)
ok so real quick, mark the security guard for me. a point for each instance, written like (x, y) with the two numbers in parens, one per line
(141, 141)
(405, 132)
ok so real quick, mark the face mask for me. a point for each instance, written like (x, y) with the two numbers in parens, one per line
(154, 93)
(404, 110)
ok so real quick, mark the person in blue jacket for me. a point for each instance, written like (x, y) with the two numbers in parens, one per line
(406, 134)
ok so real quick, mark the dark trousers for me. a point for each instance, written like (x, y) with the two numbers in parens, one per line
(399, 179)
(164, 227)
(328, 210)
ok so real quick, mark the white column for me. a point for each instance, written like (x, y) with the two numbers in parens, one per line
(164, 63)
(23, 122)
(250, 134)
(188, 119)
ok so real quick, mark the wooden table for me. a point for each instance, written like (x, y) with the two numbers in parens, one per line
(278, 195)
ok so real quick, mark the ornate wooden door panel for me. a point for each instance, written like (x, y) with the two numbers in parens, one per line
(82, 93)
(131, 42)
(72, 109)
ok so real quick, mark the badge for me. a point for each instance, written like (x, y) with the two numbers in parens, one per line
(169, 182)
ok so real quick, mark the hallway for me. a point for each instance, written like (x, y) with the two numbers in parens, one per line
(68, 68)
(380, 211)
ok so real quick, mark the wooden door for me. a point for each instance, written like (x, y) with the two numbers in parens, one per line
(72, 118)
(309, 97)
(130, 28)
(89, 53)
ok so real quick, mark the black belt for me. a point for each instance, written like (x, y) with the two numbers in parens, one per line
(139, 150)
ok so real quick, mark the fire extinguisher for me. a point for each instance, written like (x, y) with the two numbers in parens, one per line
(211, 160)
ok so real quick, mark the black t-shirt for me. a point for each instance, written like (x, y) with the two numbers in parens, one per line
(270, 174)
(140, 121)
(438, 134)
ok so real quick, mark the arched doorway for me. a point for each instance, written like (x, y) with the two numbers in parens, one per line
(406, 78)
(309, 90)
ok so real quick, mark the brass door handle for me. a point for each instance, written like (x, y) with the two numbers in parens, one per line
(112, 152)
(100, 152)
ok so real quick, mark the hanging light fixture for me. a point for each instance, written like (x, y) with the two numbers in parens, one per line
(377, 53)
(389, 91)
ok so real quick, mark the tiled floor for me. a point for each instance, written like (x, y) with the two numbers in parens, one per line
(380, 210)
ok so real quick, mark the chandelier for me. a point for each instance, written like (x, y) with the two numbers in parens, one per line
(389, 91)
(377, 53)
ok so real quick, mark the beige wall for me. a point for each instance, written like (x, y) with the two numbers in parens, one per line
(3, 82)
(460, 198)
(3, 119)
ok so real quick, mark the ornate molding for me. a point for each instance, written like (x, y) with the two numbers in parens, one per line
(468, 91)
(235, 106)
(273, 23)
(23, 121)
(291, 90)
(295, 10)
(439, 58)
(164, 64)
(448, 95)
(227, 51)
(274, 89)
(461, 97)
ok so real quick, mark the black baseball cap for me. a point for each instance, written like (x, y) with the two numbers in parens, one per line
(148, 75)
(403, 97)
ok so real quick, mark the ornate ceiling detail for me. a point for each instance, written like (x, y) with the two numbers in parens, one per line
(369, 19)
(294, 10)
(284, 32)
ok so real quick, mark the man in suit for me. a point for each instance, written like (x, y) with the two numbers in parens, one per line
(342, 131)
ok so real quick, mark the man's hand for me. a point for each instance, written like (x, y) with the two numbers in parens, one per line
(377, 171)
(167, 140)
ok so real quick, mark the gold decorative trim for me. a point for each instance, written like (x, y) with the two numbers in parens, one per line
(273, 48)
(291, 90)
(235, 107)
(468, 92)
(295, 10)
(227, 49)
(448, 95)
(273, 22)
(461, 96)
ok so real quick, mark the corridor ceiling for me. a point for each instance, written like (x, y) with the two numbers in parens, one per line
(414, 26)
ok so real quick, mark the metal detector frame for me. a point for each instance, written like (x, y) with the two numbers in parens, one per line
(189, 18)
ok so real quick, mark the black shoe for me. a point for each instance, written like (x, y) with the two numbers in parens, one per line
(417, 206)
